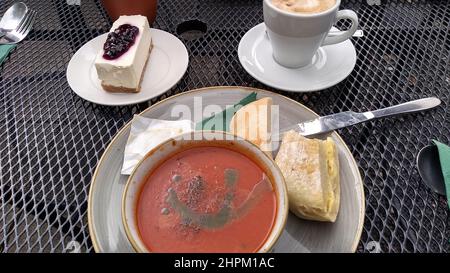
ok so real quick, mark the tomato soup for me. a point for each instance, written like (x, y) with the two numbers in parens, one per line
(206, 199)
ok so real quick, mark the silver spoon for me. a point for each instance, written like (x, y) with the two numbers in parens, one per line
(429, 168)
(17, 35)
(12, 18)
(358, 33)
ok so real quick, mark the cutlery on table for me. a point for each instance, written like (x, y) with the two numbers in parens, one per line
(430, 170)
(12, 18)
(344, 119)
(358, 33)
(16, 35)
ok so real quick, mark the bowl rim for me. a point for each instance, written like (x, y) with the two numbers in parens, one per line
(282, 183)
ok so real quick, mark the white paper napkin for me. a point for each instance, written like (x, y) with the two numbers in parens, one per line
(146, 134)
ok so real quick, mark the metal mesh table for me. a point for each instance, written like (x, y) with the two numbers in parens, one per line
(51, 140)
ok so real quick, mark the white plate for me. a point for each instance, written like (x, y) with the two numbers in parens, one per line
(104, 205)
(330, 65)
(167, 64)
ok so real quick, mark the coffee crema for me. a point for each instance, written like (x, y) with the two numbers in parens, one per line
(304, 6)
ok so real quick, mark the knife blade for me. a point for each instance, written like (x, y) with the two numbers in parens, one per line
(344, 119)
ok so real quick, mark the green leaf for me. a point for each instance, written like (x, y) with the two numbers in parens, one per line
(221, 121)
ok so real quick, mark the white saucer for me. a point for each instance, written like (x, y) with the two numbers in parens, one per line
(330, 65)
(167, 64)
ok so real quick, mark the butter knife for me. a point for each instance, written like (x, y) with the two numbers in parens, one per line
(344, 119)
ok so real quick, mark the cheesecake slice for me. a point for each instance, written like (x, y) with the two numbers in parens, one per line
(121, 62)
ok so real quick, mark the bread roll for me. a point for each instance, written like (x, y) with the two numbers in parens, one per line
(253, 123)
(311, 171)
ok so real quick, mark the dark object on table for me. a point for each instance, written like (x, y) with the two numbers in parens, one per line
(115, 8)
(430, 170)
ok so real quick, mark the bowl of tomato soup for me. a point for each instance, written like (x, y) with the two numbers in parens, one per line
(205, 192)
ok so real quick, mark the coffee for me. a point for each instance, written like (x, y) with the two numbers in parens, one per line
(298, 28)
(304, 6)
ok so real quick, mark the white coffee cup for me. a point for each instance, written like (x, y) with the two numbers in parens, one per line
(296, 37)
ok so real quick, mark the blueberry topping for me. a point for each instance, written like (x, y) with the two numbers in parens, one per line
(119, 41)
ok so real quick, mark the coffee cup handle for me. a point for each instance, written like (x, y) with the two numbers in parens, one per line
(343, 35)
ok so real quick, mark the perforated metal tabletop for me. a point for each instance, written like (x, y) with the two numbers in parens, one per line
(51, 139)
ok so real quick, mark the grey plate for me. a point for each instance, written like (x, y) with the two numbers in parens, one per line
(104, 207)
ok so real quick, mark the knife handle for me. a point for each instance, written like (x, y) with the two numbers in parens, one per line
(407, 107)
